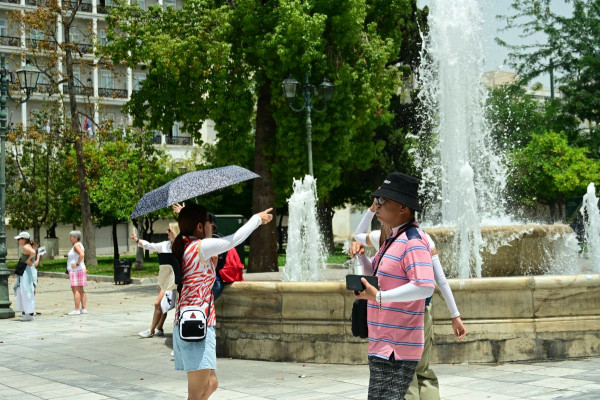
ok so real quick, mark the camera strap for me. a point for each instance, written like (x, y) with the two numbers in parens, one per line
(390, 240)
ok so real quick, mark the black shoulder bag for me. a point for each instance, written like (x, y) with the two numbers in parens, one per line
(20, 268)
(360, 327)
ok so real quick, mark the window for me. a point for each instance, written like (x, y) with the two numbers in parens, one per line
(170, 3)
(175, 130)
(102, 37)
(141, 3)
(3, 30)
(138, 78)
(107, 117)
(106, 80)
(36, 35)
(77, 77)
(74, 35)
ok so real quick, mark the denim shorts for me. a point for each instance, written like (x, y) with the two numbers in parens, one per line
(193, 356)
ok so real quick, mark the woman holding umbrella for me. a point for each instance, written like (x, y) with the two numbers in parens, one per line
(194, 248)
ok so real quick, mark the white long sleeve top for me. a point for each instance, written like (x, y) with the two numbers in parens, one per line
(213, 246)
(161, 247)
(411, 292)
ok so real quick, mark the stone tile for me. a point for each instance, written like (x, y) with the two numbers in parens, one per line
(560, 383)
(557, 371)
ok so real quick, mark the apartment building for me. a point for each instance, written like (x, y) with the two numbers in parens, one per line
(104, 88)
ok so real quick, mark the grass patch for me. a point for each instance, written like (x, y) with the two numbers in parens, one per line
(105, 266)
(335, 258)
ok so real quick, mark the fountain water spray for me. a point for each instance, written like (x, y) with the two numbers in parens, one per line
(463, 175)
(591, 218)
(305, 255)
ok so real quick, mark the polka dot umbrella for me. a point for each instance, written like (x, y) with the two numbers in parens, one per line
(190, 185)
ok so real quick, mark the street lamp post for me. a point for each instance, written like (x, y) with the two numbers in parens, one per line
(324, 91)
(27, 78)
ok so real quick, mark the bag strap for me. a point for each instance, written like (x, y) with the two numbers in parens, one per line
(389, 241)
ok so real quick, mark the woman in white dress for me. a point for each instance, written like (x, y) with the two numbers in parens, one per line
(77, 273)
(25, 286)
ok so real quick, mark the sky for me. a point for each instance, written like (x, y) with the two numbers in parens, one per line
(495, 54)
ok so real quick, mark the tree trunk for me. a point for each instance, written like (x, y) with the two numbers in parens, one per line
(263, 242)
(325, 215)
(87, 227)
(115, 243)
(36, 233)
(280, 236)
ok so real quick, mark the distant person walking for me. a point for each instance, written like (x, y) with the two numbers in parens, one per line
(165, 299)
(26, 284)
(77, 273)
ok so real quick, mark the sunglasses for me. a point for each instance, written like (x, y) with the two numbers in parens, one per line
(380, 200)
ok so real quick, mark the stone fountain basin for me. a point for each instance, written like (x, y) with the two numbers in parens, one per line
(510, 250)
(508, 319)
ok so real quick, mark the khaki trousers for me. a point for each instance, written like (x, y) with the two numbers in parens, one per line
(424, 385)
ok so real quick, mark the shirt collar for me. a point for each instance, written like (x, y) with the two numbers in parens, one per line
(395, 229)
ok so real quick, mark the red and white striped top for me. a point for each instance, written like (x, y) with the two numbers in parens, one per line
(198, 278)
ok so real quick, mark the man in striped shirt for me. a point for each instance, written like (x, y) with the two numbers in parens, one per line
(395, 312)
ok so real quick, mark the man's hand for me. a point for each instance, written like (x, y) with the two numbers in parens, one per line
(458, 328)
(369, 293)
(356, 247)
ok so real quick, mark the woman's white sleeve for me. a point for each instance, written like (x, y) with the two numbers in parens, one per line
(212, 246)
(152, 246)
(361, 237)
(375, 238)
(365, 224)
(407, 292)
(440, 279)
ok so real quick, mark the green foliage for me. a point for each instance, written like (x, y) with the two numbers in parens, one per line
(570, 50)
(35, 181)
(210, 59)
(549, 171)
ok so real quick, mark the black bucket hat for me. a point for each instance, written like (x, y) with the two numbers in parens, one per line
(401, 188)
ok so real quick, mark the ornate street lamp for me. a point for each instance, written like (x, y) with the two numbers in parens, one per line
(324, 91)
(27, 78)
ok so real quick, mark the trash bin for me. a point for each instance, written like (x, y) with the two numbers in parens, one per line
(122, 272)
(228, 224)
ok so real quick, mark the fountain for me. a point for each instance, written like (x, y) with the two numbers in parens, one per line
(591, 218)
(305, 255)
(513, 315)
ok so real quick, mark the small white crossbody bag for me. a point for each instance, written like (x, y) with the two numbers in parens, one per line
(193, 323)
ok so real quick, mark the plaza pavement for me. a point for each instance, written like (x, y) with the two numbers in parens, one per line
(100, 356)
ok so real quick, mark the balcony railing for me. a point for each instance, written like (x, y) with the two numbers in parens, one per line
(10, 41)
(157, 139)
(36, 3)
(70, 5)
(85, 48)
(79, 90)
(41, 44)
(113, 93)
(103, 9)
(179, 140)
(10, 1)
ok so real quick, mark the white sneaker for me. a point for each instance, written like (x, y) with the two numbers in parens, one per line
(83, 311)
(159, 332)
(27, 317)
(74, 312)
(146, 334)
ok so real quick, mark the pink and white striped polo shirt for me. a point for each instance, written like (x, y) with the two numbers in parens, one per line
(398, 327)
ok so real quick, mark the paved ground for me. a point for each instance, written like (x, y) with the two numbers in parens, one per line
(99, 356)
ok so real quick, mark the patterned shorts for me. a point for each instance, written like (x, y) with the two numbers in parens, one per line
(78, 277)
(389, 379)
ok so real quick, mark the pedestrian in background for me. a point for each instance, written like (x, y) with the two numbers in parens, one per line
(77, 273)
(26, 284)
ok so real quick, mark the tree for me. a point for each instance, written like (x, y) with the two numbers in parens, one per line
(34, 190)
(572, 46)
(64, 42)
(113, 183)
(226, 60)
(549, 171)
